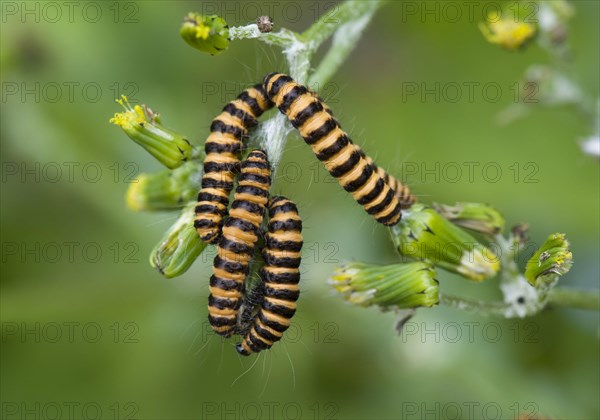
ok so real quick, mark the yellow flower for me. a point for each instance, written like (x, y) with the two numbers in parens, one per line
(506, 31)
(202, 31)
(143, 126)
(131, 117)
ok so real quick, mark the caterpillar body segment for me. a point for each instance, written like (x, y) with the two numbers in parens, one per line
(403, 192)
(237, 241)
(223, 147)
(280, 276)
(342, 158)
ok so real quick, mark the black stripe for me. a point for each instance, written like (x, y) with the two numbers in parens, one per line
(236, 247)
(306, 113)
(286, 262)
(276, 199)
(253, 177)
(291, 96)
(204, 224)
(218, 321)
(285, 207)
(316, 135)
(221, 127)
(247, 119)
(373, 194)
(252, 190)
(251, 102)
(346, 166)
(213, 147)
(329, 152)
(226, 284)
(386, 219)
(278, 84)
(272, 324)
(255, 164)
(283, 294)
(360, 181)
(210, 166)
(209, 208)
(280, 278)
(204, 196)
(386, 201)
(292, 246)
(286, 225)
(267, 79)
(278, 309)
(265, 334)
(232, 267)
(248, 206)
(256, 344)
(223, 303)
(240, 224)
(214, 183)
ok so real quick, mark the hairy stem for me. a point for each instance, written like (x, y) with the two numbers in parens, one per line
(575, 298)
(478, 306)
(348, 21)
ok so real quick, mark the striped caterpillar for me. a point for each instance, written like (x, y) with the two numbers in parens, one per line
(342, 158)
(280, 275)
(236, 244)
(223, 147)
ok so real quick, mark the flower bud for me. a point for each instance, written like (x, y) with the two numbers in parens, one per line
(165, 190)
(180, 246)
(553, 259)
(395, 286)
(424, 234)
(143, 126)
(206, 33)
(478, 217)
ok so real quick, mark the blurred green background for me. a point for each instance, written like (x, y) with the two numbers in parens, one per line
(90, 330)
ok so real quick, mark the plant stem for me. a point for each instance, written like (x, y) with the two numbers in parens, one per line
(481, 307)
(560, 296)
(348, 22)
(575, 298)
(344, 41)
(348, 11)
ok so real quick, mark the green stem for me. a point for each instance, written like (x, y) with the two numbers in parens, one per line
(575, 298)
(559, 297)
(481, 307)
(345, 12)
(344, 41)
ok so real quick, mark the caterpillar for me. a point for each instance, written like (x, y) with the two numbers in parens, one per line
(342, 158)
(223, 147)
(402, 191)
(280, 276)
(236, 243)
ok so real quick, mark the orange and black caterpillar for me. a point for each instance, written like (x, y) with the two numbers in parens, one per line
(223, 147)
(342, 158)
(278, 290)
(236, 244)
